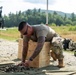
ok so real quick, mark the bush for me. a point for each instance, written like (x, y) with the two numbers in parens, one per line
(53, 24)
(72, 28)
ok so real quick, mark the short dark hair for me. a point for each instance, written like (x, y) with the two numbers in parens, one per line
(21, 25)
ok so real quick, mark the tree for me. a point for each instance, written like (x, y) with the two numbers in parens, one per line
(59, 21)
(73, 17)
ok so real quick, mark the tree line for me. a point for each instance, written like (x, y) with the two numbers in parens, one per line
(36, 16)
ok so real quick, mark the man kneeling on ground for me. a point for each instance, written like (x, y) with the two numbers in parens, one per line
(40, 34)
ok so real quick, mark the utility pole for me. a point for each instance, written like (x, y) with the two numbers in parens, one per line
(47, 12)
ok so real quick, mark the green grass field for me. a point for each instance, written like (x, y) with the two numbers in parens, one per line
(9, 34)
(64, 31)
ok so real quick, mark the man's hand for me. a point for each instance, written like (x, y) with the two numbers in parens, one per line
(27, 62)
(21, 64)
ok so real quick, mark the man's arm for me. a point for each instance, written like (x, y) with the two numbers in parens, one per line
(40, 44)
(24, 51)
(25, 47)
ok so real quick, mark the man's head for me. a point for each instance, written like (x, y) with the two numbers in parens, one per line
(21, 25)
(25, 28)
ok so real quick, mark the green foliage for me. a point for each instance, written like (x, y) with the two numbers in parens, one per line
(53, 24)
(13, 33)
(35, 16)
(68, 25)
(72, 28)
(10, 33)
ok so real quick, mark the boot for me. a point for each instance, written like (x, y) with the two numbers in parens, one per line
(53, 56)
(60, 63)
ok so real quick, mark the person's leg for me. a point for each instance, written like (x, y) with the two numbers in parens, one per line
(53, 55)
(57, 48)
(60, 58)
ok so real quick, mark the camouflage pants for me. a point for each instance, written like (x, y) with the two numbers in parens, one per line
(57, 49)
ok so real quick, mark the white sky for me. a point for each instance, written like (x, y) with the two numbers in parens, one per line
(68, 6)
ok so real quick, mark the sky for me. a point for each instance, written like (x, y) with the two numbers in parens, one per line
(13, 6)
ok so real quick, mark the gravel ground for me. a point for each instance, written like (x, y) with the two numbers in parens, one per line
(9, 51)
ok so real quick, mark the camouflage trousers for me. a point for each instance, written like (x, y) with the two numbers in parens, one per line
(57, 49)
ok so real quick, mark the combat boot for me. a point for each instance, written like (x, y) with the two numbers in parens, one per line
(60, 63)
(53, 56)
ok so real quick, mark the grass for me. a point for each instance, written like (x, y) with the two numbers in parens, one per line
(10, 34)
(64, 31)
